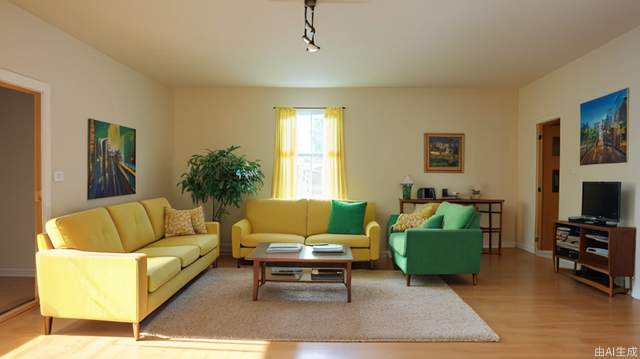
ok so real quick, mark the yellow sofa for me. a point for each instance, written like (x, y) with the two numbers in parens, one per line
(300, 221)
(114, 263)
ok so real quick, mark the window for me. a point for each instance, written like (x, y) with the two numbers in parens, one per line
(310, 154)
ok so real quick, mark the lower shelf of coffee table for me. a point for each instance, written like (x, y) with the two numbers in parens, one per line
(304, 276)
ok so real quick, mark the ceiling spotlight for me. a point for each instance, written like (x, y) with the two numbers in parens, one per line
(309, 35)
(312, 47)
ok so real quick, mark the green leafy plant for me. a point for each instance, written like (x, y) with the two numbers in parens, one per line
(223, 176)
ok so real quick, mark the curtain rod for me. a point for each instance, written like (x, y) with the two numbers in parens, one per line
(311, 108)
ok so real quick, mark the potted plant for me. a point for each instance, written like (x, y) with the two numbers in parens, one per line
(222, 176)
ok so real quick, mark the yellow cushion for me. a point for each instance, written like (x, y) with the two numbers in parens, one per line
(252, 240)
(408, 220)
(91, 230)
(206, 242)
(197, 220)
(155, 209)
(160, 270)
(186, 254)
(177, 222)
(351, 240)
(133, 225)
(320, 210)
(278, 216)
(427, 210)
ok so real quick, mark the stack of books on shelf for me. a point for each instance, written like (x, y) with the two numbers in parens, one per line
(567, 242)
(287, 273)
(328, 248)
(336, 274)
(284, 248)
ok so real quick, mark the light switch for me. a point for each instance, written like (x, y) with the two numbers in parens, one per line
(58, 176)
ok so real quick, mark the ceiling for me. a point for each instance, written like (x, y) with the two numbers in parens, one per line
(365, 43)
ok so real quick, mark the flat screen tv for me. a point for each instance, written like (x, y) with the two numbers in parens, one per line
(601, 200)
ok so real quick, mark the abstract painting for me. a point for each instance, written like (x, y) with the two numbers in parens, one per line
(112, 160)
(443, 152)
(603, 129)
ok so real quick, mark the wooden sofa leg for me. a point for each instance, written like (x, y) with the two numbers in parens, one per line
(136, 331)
(408, 280)
(48, 323)
(475, 278)
(239, 261)
(370, 264)
(214, 264)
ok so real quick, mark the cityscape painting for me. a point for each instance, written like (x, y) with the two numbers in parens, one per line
(112, 160)
(603, 129)
(443, 152)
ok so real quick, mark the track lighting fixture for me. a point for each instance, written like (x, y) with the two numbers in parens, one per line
(309, 35)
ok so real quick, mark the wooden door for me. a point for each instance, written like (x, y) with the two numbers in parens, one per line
(549, 184)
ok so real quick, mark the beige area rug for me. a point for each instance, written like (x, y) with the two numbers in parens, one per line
(218, 305)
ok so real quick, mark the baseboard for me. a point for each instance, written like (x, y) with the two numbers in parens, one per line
(17, 272)
(545, 254)
(526, 247)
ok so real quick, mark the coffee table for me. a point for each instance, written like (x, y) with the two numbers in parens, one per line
(306, 258)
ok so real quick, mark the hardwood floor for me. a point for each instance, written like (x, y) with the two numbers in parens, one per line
(536, 312)
(15, 291)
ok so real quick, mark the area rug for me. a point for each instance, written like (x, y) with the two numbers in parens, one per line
(218, 305)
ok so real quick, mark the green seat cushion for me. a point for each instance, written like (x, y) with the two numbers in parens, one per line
(434, 222)
(398, 243)
(456, 216)
(347, 217)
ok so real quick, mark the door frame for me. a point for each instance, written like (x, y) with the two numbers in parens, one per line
(42, 128)
(539, 181)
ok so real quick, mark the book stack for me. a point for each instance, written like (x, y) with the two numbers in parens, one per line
(284, 248)
(332, 274)
(328, 248)
(567, 242)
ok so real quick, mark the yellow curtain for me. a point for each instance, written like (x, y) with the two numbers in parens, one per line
(284, 174)
(334, 165)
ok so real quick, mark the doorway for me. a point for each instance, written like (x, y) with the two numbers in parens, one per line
(548, 183)
(21, 193)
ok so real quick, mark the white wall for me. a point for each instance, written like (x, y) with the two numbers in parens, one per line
(87, 84)
(384, 130)
(612, 67)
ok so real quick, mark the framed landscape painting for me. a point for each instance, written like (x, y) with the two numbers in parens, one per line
(603, 129)
(444, 152)
(112, 160)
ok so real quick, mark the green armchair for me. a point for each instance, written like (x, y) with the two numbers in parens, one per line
(454, 249)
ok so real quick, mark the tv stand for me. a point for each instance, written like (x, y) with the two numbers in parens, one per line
(616, 247)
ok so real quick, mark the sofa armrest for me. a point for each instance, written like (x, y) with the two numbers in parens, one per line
(372, 230)
(444, 250)
(91, 285)
(239, 230)
(213, 228)
(392, 220)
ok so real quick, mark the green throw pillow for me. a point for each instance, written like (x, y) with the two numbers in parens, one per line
(347, 217)
(456, 216)
(434, 222)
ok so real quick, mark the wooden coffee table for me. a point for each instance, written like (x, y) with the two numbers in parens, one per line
(304, 259)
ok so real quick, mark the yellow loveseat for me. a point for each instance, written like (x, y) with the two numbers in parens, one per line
(300, 221)
(115, 264)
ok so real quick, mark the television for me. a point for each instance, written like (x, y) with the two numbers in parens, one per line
(601, 201)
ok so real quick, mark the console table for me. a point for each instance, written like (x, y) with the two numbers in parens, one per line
(487, 207)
